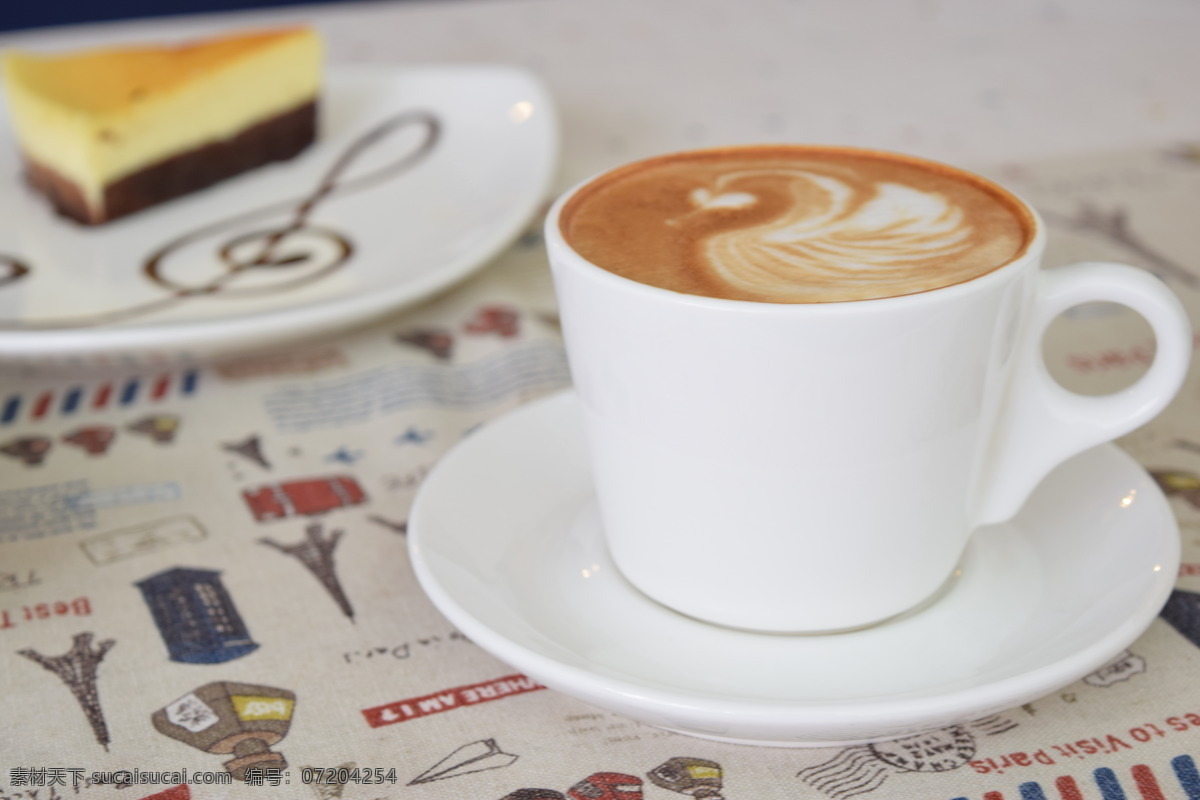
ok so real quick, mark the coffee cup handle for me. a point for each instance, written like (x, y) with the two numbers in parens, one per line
(1041, 424)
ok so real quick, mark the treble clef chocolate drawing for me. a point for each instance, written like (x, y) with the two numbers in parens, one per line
(279, 244)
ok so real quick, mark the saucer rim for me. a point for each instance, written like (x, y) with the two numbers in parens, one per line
(698, 713)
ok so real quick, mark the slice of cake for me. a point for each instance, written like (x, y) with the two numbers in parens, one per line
(105, 133)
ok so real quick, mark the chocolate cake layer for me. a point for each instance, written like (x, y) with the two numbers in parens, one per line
(64, 194)
(276, 139)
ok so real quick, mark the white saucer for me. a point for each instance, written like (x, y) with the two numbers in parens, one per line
(505, 539)
(433, 169)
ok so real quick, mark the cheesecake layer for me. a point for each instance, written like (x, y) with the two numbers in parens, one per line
(276, 139)
(98, 117)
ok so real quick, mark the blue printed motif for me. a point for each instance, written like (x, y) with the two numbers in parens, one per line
(1111, 787)
(196, 616)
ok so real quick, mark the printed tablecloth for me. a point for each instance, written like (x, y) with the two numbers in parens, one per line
(197, 557)
(206, 565)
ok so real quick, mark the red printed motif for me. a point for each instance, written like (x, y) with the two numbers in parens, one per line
(303, 498)
(1115, 358)
(1101, 745)
(500, 320)
(180, 792)
(79, 607)
(449, 699)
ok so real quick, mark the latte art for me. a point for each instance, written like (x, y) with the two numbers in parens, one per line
(794, 225)
(843, 240)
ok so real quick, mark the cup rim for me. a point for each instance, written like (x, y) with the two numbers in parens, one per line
(563, 253)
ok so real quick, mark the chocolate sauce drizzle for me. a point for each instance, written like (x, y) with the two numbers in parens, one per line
(276, 248)
(11, 270)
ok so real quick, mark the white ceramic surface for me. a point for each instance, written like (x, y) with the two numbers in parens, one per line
(505, 540)
(399, 224)
(812, 467)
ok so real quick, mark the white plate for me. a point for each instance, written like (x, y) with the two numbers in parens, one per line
(505, 539)
(401, 223)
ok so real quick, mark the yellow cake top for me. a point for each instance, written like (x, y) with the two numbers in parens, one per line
(94, 116)
(109, 80)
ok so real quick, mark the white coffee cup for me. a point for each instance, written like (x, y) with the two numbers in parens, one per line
(817, 467)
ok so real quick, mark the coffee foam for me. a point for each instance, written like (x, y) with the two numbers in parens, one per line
(795, 224)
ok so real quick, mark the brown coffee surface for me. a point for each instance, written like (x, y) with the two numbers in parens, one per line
(795, 224)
